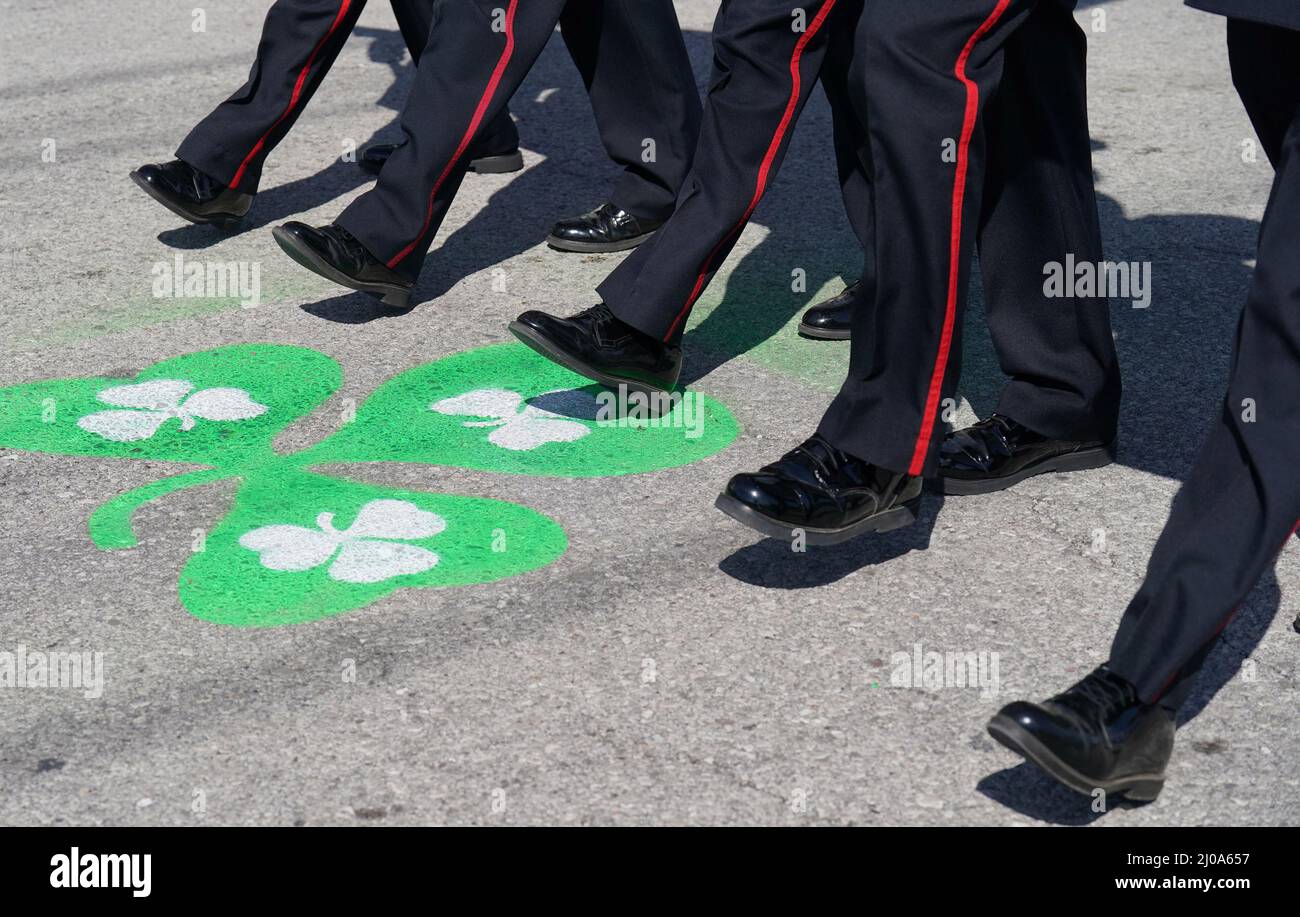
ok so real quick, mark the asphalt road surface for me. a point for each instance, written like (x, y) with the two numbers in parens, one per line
(628, 655)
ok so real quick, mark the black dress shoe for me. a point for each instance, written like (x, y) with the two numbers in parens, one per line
(1097, 735)
(832, 320)
(828, 494)
(373, 157)
(196, 196)
(600, 346)
(999, 452)
(606, 229)
(336, 255)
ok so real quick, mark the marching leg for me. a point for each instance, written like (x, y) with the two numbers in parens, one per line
(300, 40)
(767, 58)
(477, 55)
(495, 150)
(638, 75)
(927, 72)
(218, 166)
(832, 319)
(1239, 504)
(1059, 409)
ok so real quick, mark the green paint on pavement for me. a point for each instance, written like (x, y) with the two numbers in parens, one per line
(133, 313)
(768, 332)
(300, 546)
(218, 407)
(110, 524)
(503, 408)
(271, 562)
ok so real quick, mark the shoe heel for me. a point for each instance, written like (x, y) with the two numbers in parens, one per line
(397, 300)
(1144, 791)
(227, 224)
(497, 165)
(900, 516)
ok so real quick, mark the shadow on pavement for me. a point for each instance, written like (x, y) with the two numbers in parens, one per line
(353, 309)
(772, 564)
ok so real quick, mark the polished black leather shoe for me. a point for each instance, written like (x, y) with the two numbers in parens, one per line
(192, 194)
(373, 157)
(1097, 735)
(606, 229)
(832, 320)
(825, 492)
(996, 453)
(336, 255)
(597, 344)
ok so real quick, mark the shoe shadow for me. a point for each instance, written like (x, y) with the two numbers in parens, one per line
(353, 309)
(1028, 789)
(772, 564)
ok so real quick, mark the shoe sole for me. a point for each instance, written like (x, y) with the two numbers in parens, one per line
(223, 221)
(1084, 460)
(1134, 787)
(821, 334)
(894, 518)
(543, 346)
(389, 293)
(588, 248)
(484, 165)
(497, 165)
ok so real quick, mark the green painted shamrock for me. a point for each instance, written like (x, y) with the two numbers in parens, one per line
(300, 546)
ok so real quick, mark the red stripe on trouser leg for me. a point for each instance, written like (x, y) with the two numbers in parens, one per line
(765, 169)
(480, 110)
(954, 257)
(1223, 625)
(293, 99)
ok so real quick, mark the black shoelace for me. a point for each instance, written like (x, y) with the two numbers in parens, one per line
(1101, 691)
(996, 425)
(825, 459)
(989, 437)
(598, 313)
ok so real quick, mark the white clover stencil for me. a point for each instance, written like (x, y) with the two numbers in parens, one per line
(521, 427)
(143, 407)
(370, 550)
